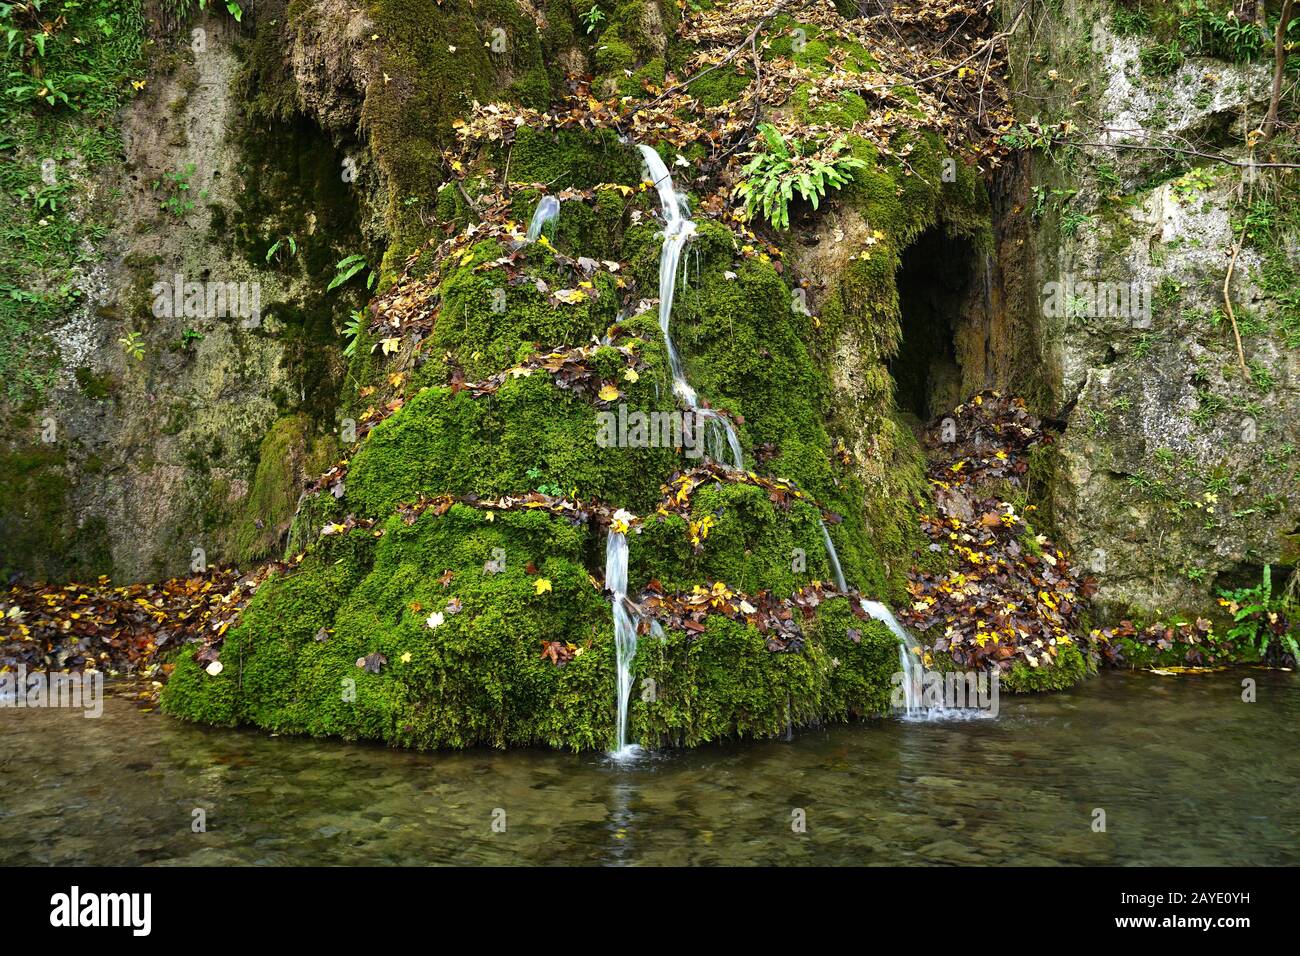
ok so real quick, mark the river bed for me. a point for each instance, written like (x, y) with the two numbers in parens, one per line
(1184, 770)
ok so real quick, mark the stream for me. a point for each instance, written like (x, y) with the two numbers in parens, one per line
(1186, 772)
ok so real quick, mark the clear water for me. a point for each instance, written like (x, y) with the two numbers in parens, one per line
(548, 208)
(1186, 772)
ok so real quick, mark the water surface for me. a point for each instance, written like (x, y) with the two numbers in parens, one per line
(1185, 771)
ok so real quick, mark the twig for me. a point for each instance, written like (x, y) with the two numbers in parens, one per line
(1227, 161)
(468, 200)
(979, 51)
(758, 101)
(1227, 283)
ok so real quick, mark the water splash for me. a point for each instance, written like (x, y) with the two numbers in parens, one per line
(833, 556)
(909, 656)
(720, 440)
(624, 634)
(914, 675)
(547, 209)
(678, 229)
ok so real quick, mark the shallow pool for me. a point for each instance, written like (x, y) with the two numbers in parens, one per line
(1184, 770)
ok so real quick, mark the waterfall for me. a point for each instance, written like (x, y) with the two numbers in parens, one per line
(624, 632)
(678, 229)
(547, 209)
(720, 440)
(833, 556)
(908, 655)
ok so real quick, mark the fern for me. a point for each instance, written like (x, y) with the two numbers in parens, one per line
(1262, 620)
(775, 175)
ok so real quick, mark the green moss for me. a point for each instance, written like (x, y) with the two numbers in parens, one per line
(569, 158)
(478, 677)
(1071, 668)
(289, 452)
(42, 540)
(267, 90)
(724, 682)
(93, 386)
(444, 443)
(440, 59)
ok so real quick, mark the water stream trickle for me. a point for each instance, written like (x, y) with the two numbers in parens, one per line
(678, 230)
(909, 655)
(624, 633)
(547, 209)
(833, 556)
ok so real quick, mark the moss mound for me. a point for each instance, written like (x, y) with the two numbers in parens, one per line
(473, 623)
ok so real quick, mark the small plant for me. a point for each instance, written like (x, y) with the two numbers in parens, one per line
(175, 185)
(1128, 22)
(180, 9)
(1261, 377)
(1263, 620)
(1205, 32)
(1072, 221)
(1161, 59)
(592, 18)
(774, 175)
(284, 242)
(353, 330)
(552, 489)
(346, 268)
(190, 337)
(48, 198)
(133, 345)
(1191, 184)
(1109, 181)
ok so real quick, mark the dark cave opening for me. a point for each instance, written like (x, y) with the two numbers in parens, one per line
(935, 287)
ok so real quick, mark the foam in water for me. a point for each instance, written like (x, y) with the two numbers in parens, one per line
(908, 654)
(547, 209)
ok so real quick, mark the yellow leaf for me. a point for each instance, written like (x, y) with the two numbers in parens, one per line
(608, 393)
(630, 374)
(542, 585)
(406, 658)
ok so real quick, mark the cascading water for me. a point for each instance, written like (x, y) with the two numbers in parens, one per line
(678, 229)
(833, 556)
(547, 209)
(624, 632)
(908, 654)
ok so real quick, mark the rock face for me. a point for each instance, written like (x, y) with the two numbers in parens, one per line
(153, 467)
(1176, 473)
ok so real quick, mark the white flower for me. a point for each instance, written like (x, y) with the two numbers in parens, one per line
(435, 620)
